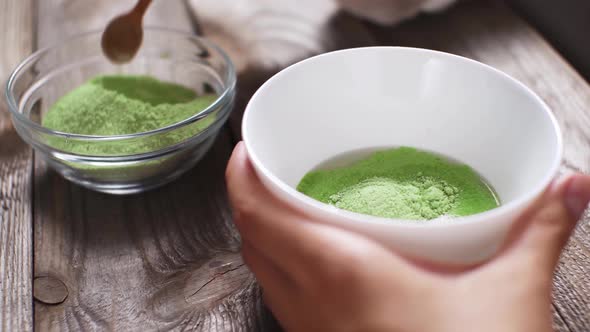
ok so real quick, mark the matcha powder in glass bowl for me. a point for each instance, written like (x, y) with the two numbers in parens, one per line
(403, 183)
(122, 105)
(123, 129)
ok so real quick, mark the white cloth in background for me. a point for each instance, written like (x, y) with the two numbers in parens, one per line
(276, 33)
(266, 33)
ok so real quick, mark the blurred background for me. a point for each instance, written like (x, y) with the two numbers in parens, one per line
(565, 24)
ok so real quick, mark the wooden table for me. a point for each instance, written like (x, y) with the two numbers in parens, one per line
(72, 259)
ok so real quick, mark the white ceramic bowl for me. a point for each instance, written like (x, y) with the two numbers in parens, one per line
(391, 96)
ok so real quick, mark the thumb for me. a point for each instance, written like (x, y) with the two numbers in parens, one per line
(541, 233)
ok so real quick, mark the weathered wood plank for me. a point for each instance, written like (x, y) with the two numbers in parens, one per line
(167, 259)
(491, 33)
(561, 23)
(16, 232)
(572, 282)
(559, 325)
(164, 260)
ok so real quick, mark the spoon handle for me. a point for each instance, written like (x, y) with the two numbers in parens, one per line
(141, 7)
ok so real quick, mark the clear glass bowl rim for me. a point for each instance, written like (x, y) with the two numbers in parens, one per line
(227, 92)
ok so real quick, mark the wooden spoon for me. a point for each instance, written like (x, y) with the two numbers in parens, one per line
(123, 35)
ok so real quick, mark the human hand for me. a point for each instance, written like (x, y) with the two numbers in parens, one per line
(317, 277)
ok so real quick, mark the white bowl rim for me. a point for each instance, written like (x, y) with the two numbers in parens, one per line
(482, 217)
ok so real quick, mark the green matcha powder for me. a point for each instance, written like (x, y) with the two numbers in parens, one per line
(121, 105)
(402, 183)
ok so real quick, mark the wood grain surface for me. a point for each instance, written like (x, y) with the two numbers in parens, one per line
(16, 228)
(562, 23)
(168, 259)
(164, 260)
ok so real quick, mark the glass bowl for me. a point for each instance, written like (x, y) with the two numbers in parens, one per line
(158, 156)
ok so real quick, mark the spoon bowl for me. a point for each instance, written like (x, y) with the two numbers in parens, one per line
(123, 36)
